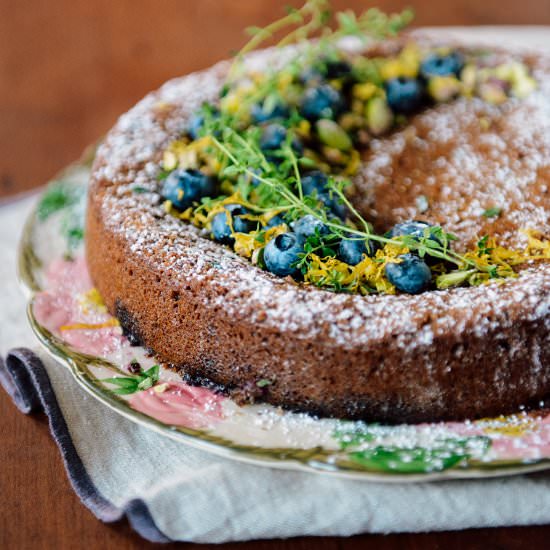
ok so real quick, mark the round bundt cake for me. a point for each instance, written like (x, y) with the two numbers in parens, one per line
(470, 165)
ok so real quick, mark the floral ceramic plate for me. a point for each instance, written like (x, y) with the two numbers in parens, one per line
(69, 318)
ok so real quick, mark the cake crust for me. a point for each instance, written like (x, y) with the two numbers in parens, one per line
(441, 355)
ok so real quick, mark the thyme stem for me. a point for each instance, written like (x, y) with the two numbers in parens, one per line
(294, 17)
(341, 229)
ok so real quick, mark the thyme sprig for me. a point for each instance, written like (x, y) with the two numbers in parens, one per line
(267, 181)
(313, 19)
(312, 8)
(316, 18)
(245, 155)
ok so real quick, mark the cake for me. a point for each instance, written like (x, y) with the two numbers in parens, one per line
(469, 165)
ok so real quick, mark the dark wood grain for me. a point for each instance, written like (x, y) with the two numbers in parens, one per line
(40, 511)
(68, 68)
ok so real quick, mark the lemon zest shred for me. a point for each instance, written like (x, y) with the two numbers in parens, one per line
(92, 299)
(112, 322)
(538, 246)
(365, 277)
(247, 243)
(184, 154)
(509, 426)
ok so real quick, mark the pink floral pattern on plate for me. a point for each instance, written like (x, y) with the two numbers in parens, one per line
(62, 309)
(178, 404)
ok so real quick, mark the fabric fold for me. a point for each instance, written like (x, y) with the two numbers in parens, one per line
(24, 377)
(170, 491)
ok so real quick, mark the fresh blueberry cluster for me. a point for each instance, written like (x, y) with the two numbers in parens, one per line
(322, 101)
(283, 253)
(333, 109)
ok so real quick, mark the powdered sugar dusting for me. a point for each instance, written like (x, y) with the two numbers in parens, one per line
(508, 164)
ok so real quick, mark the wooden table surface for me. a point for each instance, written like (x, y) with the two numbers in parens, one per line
(67, 69)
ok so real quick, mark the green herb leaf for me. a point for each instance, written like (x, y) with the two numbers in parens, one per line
(142, 381)
(153, 373)
(124, 391)
(493, 212)
(454, 278)
(122, 382)
(253, 31)
(58, 196)
(145, 384)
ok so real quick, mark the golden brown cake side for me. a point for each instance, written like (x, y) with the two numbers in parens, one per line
(440, 355)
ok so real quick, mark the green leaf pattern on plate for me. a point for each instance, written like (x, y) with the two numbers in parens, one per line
(69, 201)
(363, 448)
(142, 381)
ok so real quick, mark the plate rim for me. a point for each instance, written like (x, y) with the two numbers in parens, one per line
(241, 453)
(172, 432)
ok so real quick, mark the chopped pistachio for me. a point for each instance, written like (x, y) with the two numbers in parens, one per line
(364, 91)
(379, 116)
(444, 88)
(333, 135)
(454, 278)
(493, 212)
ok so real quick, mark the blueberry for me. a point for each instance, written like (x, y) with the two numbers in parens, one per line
(336, 207)
(352, 250)
(315, 74)
(253, 176)
(275, 221)
(195, 125)
(442, 65)
(273, 138)
(196, 122)
(260, 114)
(184, 187)
(412, 275)
(311, 76)
(414, 228)
(315, 184)
(297, 147)
(322, 102)
(404, 95)
(221, 230)
(308, 226)
(282, 253)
